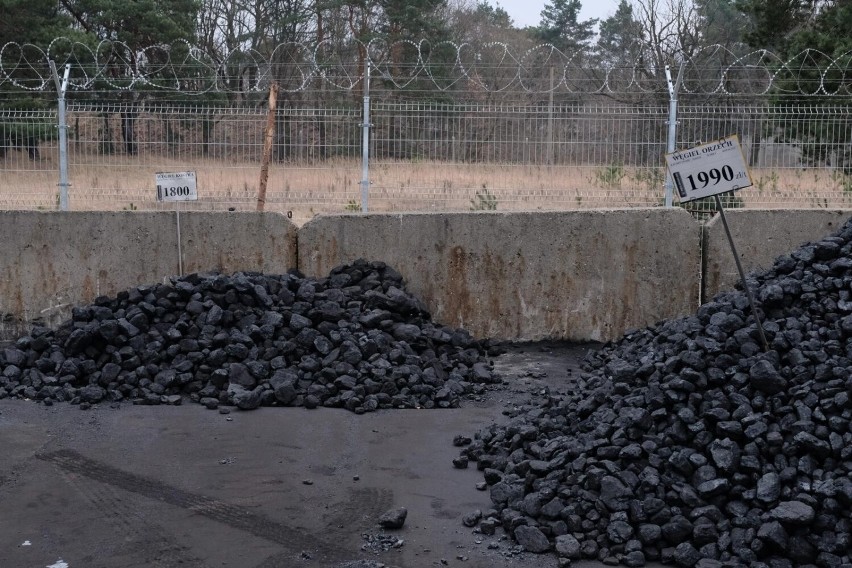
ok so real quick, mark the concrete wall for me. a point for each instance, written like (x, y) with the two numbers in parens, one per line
(52, 261)
(760, 237)
(581, 275)
(577, 275)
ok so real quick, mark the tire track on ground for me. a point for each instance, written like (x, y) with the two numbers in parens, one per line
(351, 517)
(362, 508)
(148, 541)
(289, 537)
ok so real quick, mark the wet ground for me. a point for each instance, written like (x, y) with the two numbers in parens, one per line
(144, 486)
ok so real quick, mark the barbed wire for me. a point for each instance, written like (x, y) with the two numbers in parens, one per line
(445, 66)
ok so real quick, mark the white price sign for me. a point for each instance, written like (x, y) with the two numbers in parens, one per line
(708, 169)
(176, 186)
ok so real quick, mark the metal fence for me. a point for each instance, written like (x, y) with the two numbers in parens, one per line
(527, 136)
(433, 157)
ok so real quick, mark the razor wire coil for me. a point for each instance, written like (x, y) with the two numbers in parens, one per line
(446, 66)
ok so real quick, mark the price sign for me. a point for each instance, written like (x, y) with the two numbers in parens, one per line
(708, 169)
(176, 186)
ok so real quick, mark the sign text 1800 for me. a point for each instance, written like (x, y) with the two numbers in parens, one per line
(177, 191)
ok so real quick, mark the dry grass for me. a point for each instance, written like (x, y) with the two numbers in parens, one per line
(306, 189)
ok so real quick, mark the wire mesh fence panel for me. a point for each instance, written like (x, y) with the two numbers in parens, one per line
(114, 150)
(443, 157)
(28, 175)
(584, 152)
(798, 155)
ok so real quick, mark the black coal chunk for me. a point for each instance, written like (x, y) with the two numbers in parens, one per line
(686, 443)
(355, 339)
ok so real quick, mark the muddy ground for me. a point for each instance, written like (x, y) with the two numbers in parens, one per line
(146, 486)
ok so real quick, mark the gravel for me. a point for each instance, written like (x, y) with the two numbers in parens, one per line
(355, 339)
(686, 443)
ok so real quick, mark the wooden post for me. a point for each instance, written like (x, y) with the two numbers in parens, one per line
(267, 147)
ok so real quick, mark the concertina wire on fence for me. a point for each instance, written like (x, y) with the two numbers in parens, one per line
(490, 67)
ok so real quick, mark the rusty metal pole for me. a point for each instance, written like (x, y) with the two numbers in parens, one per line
(749, 295)
(267, 147)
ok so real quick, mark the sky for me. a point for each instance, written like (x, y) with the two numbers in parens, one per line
(528, 12)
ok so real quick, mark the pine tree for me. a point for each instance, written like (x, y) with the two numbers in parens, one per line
(560, 26)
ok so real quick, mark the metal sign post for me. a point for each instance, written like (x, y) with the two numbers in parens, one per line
(179, 245)
(61, 87)
(365, 144)
(710, 170)
(177, 187)
(742, 274)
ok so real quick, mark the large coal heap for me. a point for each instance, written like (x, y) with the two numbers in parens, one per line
(686, 443)
(355, 339)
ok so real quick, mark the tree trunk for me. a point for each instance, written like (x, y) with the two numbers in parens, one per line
(128, 130)
(282, 136)
(207, 124)
(754, 155)
(105, 145)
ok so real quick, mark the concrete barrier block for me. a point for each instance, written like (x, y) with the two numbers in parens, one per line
(580, 275)
(760, 237)
(55, 260)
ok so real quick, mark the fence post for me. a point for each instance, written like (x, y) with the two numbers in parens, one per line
(61, 86)
(672, 133)
(365, 144)
(550, 121)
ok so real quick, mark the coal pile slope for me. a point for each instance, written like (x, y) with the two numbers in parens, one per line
(686, 443)
(355, 339)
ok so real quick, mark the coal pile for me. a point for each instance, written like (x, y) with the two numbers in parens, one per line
(686, 443)
(355, 339)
